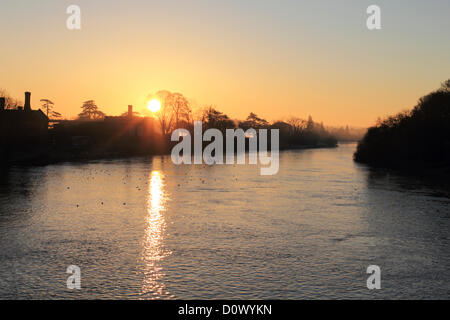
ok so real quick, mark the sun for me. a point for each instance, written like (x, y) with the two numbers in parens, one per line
(154, 105)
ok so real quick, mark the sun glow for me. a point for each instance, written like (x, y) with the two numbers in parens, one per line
(154, 105)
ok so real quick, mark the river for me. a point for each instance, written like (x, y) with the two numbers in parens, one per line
(144, 228)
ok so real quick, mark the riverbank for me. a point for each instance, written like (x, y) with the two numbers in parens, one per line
(415, 141)
(41, 156)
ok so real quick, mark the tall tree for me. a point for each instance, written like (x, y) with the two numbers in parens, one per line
(175, 111)
(253, 121)
(165, 114)
(180, 108)
(90, 111)
(47, 105)
(213, 118)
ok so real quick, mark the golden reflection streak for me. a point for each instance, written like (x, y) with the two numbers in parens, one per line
(153, 250)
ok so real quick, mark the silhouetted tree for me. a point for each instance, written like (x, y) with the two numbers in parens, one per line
(297, 124)
(90, 111)
(165, 114)
(253, 121)
(175, 111)
(216, 119)
(181, 109)
(48, 106)
(285, 128)
(55, 115)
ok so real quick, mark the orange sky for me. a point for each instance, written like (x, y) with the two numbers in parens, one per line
(295, 59)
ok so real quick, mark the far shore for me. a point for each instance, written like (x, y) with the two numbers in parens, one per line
(47, 157)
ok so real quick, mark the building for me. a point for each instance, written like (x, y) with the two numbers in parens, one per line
(22, 126)
(112, 135)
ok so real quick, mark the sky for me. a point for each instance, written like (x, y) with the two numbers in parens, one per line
(275, 58)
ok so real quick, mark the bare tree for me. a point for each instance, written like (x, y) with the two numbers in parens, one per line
(297, 124)
(175, 111)
(165, 114)
(180, 108)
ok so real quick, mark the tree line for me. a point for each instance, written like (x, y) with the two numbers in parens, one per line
(176, 112)
(417, 138)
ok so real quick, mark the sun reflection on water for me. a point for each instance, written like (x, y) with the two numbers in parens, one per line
(153, 248)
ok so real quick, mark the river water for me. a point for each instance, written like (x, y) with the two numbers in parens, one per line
(147, 229)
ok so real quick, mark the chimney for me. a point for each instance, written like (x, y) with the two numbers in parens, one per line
(130, 111)
(2, 103)
(27, 105)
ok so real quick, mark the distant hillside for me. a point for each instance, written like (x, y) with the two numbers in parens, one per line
(419, 138)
